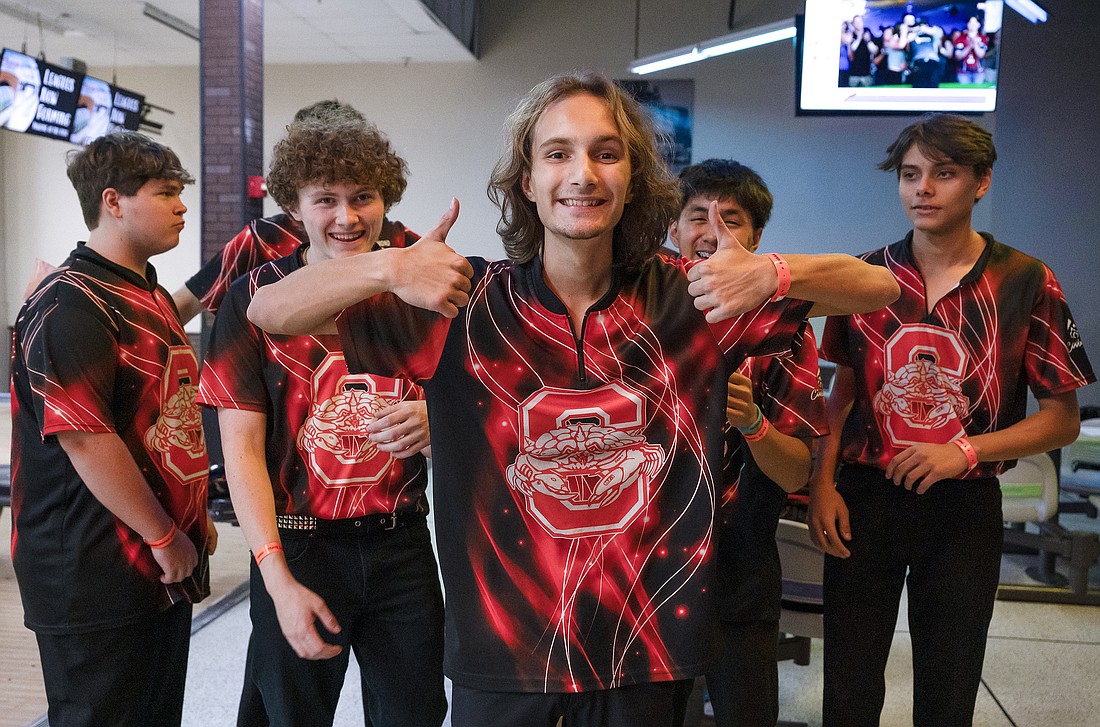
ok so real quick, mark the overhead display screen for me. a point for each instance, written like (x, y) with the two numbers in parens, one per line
(46, 100)
(897, 56)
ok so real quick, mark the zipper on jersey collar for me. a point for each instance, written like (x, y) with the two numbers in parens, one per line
(550, 300)
(578, 343)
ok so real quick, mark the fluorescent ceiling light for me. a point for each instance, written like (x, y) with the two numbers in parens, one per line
(177, 24)
(1028, 9)
(741, 40)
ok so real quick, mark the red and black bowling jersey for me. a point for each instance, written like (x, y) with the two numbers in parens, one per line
(961, 369)
(788, 390)
(264, 240)
(319, 457)
(100, 349)
(575, 477)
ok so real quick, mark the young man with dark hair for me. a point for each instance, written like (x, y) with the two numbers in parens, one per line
(270, 238)
(325, 468)
(577, 400)
(927, 408)
(110, 532)
(774, 408)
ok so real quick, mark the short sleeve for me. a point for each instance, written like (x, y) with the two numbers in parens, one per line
(383, 335)
(834, 341)
(767, 330)
(232, 372)
(211, 284)
(72, 384)
(1055, 358)
(790, 389)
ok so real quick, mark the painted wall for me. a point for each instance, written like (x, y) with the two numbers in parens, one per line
(446, 121)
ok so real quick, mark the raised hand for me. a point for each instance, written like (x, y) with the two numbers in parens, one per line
(431, 275)
(740, 408)
(733, 280)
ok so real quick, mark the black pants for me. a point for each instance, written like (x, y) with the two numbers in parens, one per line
(383, 588)
(130, 676)
(744, 682)
(658, 704)
(946, 546)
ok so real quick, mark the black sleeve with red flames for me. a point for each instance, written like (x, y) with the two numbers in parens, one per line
(1055, 358)
(261, 241)
(74, 384)
(232, 372)
(384, 335)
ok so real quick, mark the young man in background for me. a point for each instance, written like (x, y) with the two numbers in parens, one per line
(928, 407)
(775, 408)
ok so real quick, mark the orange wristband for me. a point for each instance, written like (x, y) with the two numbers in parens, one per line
(783, 271)
(267, 550)
(761, 431)
(967, 449)
(165, 541)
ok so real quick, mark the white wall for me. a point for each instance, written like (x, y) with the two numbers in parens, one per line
(446, 121)
(41, 214)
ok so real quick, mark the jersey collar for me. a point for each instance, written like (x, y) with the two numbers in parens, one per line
(550, 300)
(146, 282)
(906, 249)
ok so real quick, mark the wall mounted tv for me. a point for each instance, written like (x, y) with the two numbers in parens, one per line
(885, 56)
(47, 100)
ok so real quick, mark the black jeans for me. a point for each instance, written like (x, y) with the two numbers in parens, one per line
(946, 546)
(130, 676)
(383, 589)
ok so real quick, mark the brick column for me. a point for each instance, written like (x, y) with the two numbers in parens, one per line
(231, 72)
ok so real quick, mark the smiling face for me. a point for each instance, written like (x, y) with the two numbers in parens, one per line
(341, 219)
(692, 233)
(580, 171)
(938, 196)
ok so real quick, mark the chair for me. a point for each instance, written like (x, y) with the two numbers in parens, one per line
(801, 615)
(1029, 491)
(1030, 495)
(802, 602)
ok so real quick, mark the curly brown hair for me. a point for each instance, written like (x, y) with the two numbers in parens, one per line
(655, 195)
(334, 152)
(123, 161)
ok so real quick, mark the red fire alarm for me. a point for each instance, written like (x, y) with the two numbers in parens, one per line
(257, 188)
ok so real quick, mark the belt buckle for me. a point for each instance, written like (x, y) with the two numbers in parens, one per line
(389, 521)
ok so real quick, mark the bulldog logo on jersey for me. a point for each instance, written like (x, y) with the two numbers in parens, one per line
(177, 432)
(334, 440)
(584, 467)
(921, 400)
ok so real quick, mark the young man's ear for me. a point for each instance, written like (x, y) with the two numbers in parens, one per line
(983, 184)
(525, 185)
(754, 244)
(674, 231)
(294, 213)
(110, 202)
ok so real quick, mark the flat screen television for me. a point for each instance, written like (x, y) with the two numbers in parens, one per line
(47, 100)
(885, 56)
